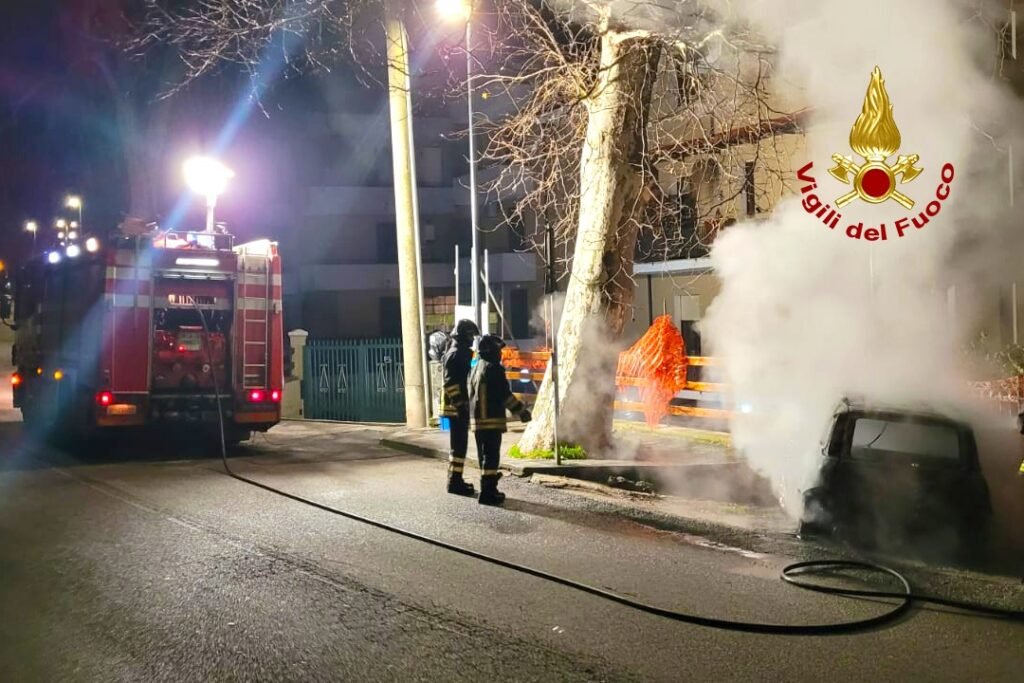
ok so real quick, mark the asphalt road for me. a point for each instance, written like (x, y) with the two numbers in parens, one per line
(138, 565)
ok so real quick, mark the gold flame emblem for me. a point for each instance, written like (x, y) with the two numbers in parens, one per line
(875, 137)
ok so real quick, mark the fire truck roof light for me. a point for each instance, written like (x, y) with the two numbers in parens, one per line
(189, 261)
(53, 257)
(73, 250)
(92, 245)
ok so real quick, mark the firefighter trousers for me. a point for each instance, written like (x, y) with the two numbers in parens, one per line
(488, 451)
(458, 441)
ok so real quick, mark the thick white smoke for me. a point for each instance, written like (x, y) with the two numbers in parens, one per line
(807, 315)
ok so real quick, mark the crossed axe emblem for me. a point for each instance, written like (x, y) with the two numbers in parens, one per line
(875, 180)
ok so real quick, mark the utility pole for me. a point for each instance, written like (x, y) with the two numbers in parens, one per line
(399, 98)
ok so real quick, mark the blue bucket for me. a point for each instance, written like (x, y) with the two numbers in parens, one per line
(445, 424)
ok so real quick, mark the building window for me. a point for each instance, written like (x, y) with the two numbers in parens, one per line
(439, 311)
(387, 243)
(748, 188)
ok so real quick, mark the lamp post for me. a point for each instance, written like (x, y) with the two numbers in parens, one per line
(74, 201)
(207, 177)
(32, 227)
(462, 10)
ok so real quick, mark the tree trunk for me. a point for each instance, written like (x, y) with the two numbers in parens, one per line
(612, 199)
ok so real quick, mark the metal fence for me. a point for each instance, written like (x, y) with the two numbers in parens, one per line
(354, 380)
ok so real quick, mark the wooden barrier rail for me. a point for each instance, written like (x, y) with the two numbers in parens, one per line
(528, 371)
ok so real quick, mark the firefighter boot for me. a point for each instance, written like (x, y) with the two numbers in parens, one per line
(489, 493)
(456, 484)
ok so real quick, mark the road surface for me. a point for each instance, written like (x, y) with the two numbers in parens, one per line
(141, 564)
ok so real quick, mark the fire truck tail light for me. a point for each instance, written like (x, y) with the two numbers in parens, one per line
(275, 395)
(15, 380)
(104, 398)
(256, 396)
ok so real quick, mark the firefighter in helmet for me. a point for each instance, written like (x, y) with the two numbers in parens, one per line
(455, 402)
(490, 396)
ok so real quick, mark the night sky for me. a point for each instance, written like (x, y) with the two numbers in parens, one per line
(77, 115)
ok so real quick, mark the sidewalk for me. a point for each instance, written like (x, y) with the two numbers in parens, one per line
(681, 463)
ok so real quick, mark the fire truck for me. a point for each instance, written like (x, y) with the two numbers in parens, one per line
(165, 329)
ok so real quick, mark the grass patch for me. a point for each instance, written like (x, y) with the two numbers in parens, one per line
(566, 450)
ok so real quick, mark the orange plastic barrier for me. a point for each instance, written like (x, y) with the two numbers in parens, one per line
(658, 359)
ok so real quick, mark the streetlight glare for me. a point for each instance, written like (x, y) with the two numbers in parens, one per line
(207, 177)
(92, 245)
(31, 226)
(61, 224)
(454, 9)
(74, 202)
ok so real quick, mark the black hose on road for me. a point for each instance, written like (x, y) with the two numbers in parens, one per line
(905, 595)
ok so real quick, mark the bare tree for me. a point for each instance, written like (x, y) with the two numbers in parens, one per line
(626, 125)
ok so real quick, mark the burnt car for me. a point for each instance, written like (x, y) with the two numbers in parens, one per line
(894, 478)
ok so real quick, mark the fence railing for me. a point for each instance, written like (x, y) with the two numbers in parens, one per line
(530, 368)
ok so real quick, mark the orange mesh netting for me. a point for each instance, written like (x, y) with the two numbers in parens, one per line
(535, 361)
(656, 364)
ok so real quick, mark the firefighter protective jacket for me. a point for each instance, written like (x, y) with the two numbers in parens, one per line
(455, 375)
(490, 396)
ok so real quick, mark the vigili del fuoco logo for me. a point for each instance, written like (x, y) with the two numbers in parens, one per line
(875, 138)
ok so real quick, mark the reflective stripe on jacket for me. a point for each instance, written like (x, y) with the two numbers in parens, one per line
(490, 396)
(454, 379)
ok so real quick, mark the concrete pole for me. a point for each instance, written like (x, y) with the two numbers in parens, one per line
(405, 219)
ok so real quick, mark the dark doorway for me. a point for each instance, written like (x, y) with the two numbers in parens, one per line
(390, 316)
(519, 313)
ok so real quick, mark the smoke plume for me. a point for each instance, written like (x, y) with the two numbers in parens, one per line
(807, 315)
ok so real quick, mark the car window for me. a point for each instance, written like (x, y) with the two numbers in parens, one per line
(881, 440)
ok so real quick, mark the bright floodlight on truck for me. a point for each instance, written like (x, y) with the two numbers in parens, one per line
(455, 10)
(73, 251)
(207, 177)
(53, 257)
(92, 245)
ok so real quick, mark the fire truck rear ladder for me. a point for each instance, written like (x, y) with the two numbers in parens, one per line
(255, 374)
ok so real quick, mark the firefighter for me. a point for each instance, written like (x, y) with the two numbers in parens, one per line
(490, 396)
(455, 402)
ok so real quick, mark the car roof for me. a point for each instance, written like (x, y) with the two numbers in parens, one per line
(848, 405)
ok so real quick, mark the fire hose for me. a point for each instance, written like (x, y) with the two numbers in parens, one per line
(790, 573)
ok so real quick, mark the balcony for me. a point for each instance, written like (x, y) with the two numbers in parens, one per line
(504, 269)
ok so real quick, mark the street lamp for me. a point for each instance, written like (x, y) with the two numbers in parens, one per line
(74, 202)
(207, 177)
(462, 10)
(32, 227)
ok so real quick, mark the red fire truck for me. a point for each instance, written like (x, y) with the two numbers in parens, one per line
(144, 330)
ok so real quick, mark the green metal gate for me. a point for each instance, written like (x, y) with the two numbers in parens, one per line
(354, 380)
